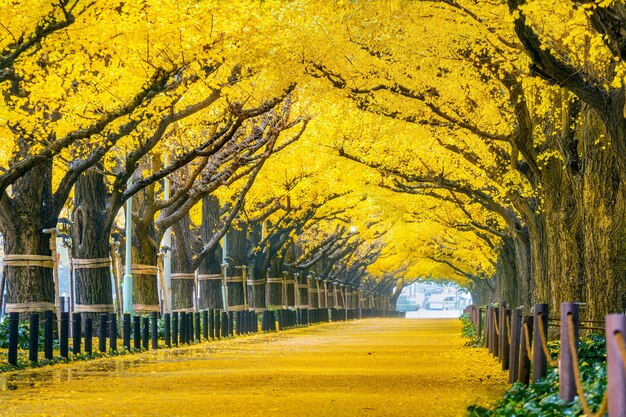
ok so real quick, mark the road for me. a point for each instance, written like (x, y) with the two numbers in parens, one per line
(374, 367)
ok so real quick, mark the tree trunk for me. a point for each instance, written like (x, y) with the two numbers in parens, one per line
(145, 243)
(90, 241)
(183, 272)
(236, 256)
(210, 290)
(603, 215)
(256, 280)
(29, 288)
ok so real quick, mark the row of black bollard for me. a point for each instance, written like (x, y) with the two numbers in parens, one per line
(179, 328)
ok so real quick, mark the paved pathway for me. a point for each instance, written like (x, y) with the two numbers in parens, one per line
(376, 367)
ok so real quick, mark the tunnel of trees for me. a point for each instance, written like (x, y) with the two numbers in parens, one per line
(314, 154)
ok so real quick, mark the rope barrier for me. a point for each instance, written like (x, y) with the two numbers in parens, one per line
(496, 325)
(529, 350)
(544, 344)
(579, 385)
(621, 347)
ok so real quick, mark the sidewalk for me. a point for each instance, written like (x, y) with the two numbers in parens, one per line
(375, 367)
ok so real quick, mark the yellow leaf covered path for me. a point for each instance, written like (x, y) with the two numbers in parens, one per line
(376, 367)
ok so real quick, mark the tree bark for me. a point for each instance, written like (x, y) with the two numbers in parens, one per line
(145, 243)
(210, 291)
(30, 210)
(90, 240)
(236, 256)
(184, 245)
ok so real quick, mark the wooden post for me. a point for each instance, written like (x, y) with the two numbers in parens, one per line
(488, 329)
(615, 327)
(506, 336)
(567, 382)
(516, 325)
(496, 337)
(502, 339)
(539, 356)
(479, 321)
(523, 369)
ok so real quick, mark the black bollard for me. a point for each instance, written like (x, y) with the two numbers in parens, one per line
(88, 336)
(155, 329)
(76, 331)
(218, 324)
(238, 323)
(113, 332)
(137, 332)
(145, 333)
(205, 325)
(102, 333)
(224, 324)
(183, 327)
(126, 325)
(231, 324)
(166, 330)
(197, 327)
(48, 327)
(175, 328)
(190, 329)
(64, 334)
(211, 315)
(33, 339)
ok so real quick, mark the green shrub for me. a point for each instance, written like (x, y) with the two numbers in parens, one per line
(468, 330)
